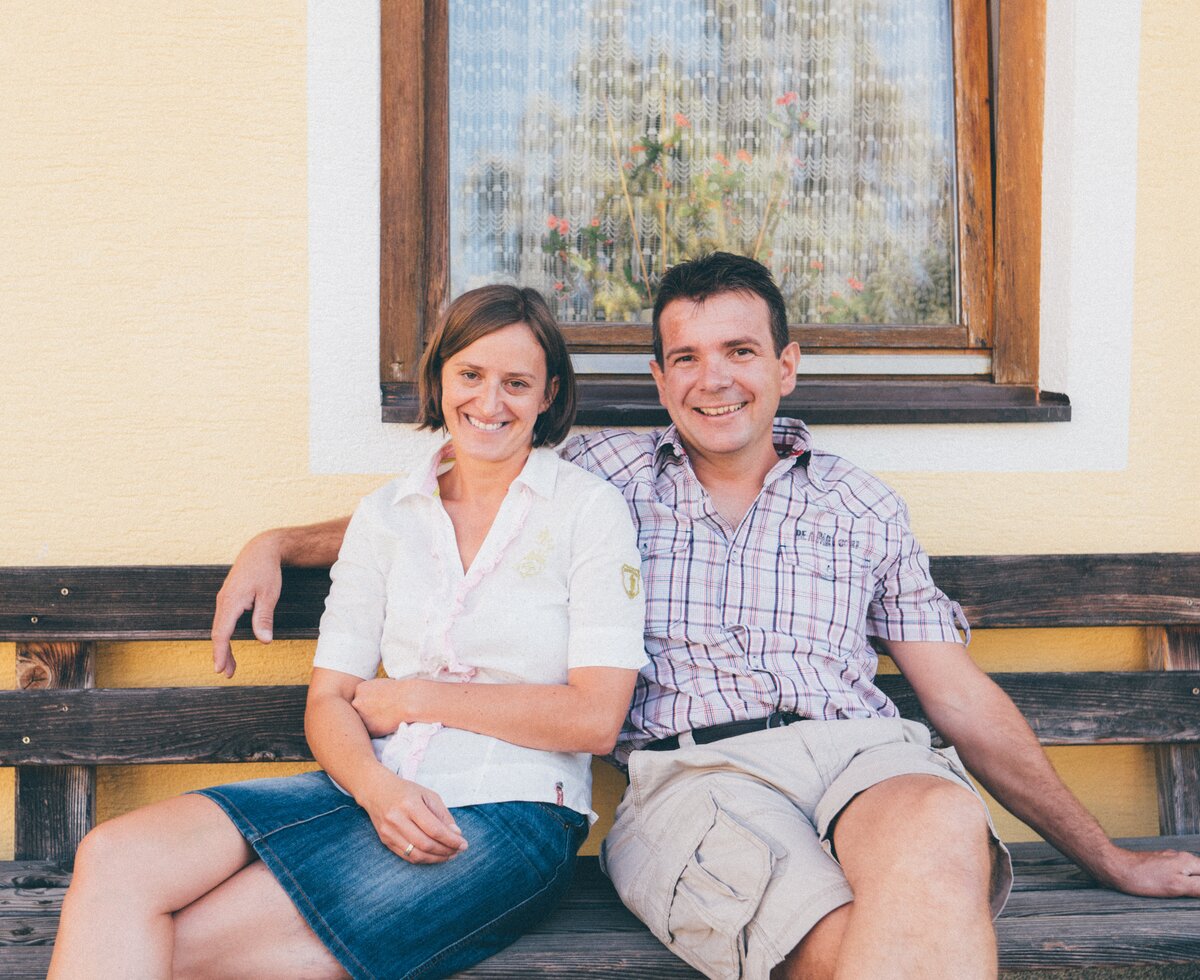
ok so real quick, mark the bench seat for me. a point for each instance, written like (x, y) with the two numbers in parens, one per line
(1056, 918)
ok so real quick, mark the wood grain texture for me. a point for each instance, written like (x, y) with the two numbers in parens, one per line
(591, 338)
(1175, 649)
(402, 232)
(1091, 707)
(55, 807)
(1004, 591)
(973, 147)
(1054, 919)
(996, 591)
(626, 401)
(142, 602)
(266, 723)
(1018, 120)
(150, 725)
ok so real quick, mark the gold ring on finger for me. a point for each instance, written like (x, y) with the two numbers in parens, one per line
(408, 850)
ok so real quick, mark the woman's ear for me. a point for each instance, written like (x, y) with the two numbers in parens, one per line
(551, 394)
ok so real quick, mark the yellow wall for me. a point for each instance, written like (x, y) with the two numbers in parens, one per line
(153, 270)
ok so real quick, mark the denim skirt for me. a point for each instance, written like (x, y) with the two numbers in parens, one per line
(382, 917)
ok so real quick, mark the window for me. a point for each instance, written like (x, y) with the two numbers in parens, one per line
(652, 169)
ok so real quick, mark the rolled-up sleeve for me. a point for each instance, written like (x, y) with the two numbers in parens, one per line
(352, 624)
(907, 605)
(607, 605)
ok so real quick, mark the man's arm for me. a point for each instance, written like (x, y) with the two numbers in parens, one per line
(255, 579)
(974, 715)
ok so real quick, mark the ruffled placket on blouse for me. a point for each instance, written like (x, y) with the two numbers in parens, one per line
(406, 749)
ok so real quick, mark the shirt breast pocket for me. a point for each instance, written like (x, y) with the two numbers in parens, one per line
(665, 545)
(825, 568)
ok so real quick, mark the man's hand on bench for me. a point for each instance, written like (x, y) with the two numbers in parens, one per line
(1156, 874)
(256, 578)
(253, 582)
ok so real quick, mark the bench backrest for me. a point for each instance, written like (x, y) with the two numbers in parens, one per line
(57, 726)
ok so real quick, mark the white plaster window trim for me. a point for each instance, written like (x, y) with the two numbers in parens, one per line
(1088, 220)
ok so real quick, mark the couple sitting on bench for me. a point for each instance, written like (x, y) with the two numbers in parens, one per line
(781, 819)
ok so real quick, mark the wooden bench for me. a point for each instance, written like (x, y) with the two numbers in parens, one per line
(57, 727)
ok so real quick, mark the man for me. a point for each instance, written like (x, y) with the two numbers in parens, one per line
(781, 819)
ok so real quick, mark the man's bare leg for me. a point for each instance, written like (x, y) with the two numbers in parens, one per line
(916, 852)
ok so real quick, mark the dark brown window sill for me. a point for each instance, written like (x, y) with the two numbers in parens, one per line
(634, 401)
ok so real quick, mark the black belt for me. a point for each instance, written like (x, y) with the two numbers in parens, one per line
(714, 733)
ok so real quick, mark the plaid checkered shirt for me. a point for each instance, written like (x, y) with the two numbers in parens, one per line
(773, 615)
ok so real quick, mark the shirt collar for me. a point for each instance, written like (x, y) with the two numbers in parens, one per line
(540, 473)
(791, 438)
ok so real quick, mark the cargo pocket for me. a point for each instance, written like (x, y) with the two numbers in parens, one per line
(717, 893)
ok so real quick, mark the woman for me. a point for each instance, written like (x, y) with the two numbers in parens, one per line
(498, 588)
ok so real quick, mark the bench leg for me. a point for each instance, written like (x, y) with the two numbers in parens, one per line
(1177, 648)
(56, 805)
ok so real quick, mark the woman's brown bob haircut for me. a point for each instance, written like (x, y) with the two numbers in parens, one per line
(483, 311)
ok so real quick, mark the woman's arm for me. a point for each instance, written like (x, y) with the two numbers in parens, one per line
(583, 715)
(402, 812)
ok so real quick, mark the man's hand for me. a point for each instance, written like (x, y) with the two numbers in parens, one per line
(405, 814)
(383, 703)
(1156, 874)
(254, 582)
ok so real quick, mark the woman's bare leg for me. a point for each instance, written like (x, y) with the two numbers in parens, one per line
(248, 927)
(131, 874)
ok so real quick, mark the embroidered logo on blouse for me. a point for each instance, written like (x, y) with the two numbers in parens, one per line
(534, 562)
(631, 578)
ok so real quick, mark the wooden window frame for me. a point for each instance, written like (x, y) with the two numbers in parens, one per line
(999, 163)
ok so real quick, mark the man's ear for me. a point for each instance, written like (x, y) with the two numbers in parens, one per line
(789, 361)
(656, 372)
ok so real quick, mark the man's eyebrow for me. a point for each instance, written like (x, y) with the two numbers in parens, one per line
(686, 349)
(743, 342)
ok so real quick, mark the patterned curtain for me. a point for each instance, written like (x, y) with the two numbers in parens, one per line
(595, 143)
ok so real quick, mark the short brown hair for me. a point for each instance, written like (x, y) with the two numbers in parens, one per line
(480, 312)
(711, 275)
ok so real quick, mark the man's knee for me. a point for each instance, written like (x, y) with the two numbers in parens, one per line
(924, 831)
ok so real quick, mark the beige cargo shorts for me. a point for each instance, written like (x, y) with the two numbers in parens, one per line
(722, 849)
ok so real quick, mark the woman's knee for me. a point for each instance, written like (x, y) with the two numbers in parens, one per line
(104, 857)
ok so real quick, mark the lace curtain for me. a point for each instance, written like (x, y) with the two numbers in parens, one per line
(595, 143)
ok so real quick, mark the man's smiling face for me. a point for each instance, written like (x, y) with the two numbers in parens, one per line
(721, 379)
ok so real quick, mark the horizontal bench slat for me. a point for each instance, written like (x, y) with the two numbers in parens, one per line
(176, 602)
(142, 602)
(1057, 942)
(1028, 591)
(149, 725)
(266, 724)
(1092, 707)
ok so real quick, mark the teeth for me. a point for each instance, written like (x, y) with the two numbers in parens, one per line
(725, 410)
(485, 426)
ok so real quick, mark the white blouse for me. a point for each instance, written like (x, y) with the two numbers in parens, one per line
(555, 585)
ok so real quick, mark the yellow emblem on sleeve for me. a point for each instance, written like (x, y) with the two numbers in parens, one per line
(631, 578)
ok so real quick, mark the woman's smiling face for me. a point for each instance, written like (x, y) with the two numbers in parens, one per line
(492, 394)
